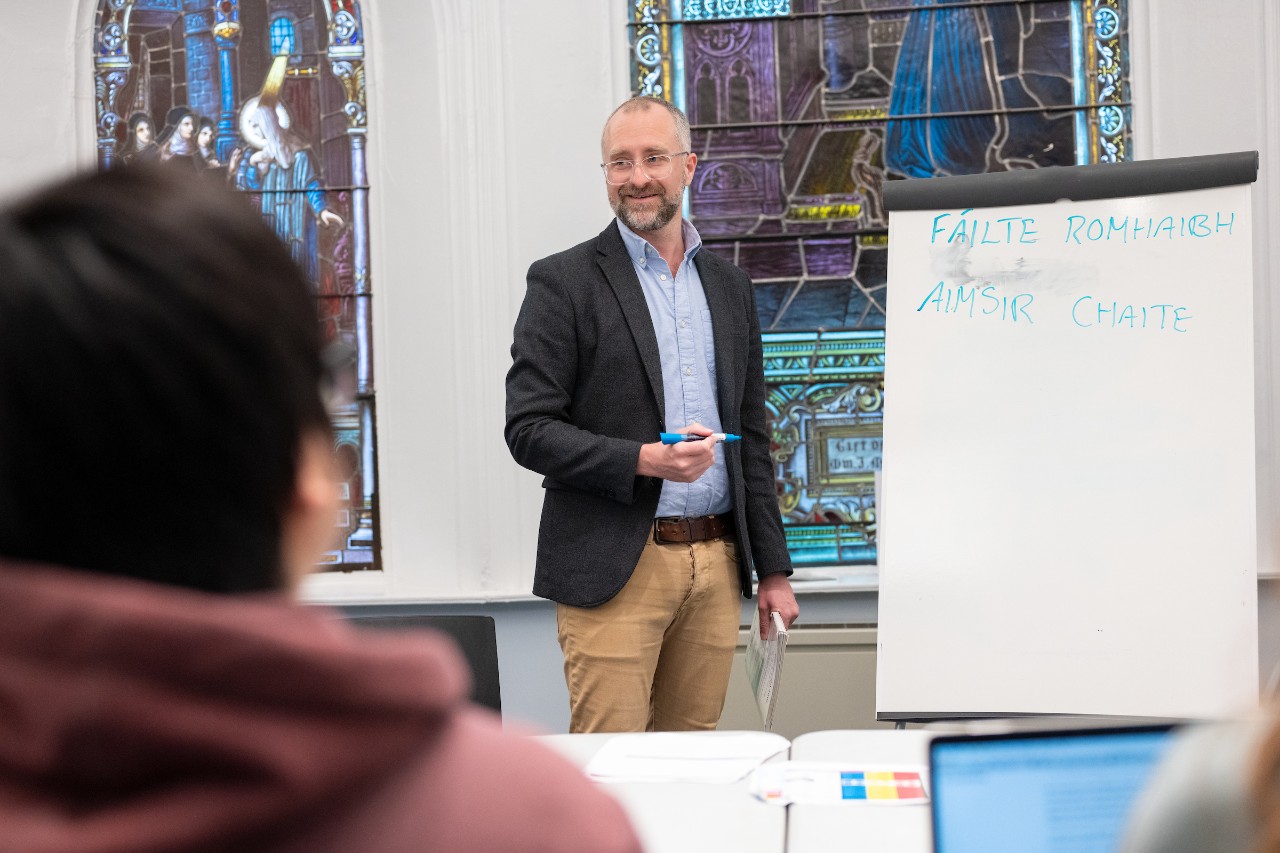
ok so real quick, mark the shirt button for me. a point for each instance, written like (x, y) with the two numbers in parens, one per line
(662, 277)
(688, 371)
(642, 262)
(684, 324)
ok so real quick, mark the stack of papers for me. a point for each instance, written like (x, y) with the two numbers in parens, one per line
(684, 756)
(787, 782)
(764, 664)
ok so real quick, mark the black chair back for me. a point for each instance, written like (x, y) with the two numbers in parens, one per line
(476, 636)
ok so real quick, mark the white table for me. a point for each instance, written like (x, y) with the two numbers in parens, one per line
(855, 827)
(675, 817)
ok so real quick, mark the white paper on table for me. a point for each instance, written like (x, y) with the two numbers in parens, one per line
(785, 782)
(683, 756)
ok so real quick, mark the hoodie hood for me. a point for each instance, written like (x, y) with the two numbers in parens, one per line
(136, 717)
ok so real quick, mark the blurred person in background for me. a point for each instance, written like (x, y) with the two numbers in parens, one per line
(165, 484)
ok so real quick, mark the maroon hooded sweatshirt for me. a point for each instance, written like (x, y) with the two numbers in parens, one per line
(136, 717)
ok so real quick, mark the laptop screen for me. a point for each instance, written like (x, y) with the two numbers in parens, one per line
(1065, 791)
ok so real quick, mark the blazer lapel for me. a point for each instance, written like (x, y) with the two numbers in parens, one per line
(621, 275)
(725, 331)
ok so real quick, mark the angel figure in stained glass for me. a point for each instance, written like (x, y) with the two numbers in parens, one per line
(282, 170)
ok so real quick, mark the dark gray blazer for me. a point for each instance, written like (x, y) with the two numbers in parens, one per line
(585, 391)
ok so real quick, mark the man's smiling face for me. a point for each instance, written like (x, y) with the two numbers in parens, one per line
(644, 203)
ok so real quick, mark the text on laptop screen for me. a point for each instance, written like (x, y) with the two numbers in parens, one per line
(1060, 793)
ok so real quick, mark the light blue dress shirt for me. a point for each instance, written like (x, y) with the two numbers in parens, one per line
(682, 323)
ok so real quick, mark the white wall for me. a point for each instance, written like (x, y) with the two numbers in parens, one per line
(1202, 90)
(51, 124)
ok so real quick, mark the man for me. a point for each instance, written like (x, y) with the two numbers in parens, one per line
(645, 546)
(166, 480)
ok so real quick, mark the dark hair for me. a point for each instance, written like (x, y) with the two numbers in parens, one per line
(160, 366)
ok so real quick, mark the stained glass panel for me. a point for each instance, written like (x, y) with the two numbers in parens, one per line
(281, 35)
(268, 97)
(800, 112)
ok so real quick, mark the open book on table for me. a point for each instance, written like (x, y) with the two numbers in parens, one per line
(764, 663)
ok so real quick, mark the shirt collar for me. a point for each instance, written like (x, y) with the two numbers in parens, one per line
(639, 248)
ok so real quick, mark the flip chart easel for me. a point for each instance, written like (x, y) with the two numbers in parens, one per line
(1068, 522)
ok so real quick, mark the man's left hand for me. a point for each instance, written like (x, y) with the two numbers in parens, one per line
(774, 593)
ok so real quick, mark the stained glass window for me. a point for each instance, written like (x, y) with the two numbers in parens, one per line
(801, 110)
(267, 96)
(281, 35)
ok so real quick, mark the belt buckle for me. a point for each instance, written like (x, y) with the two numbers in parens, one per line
(681, 523)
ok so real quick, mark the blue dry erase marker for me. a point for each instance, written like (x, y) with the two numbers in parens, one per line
(677, 437)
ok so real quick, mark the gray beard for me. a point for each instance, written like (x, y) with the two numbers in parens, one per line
(647, 222)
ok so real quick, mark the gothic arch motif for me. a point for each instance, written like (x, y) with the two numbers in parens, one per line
(196, 84)
(737, 94)
(705, 103)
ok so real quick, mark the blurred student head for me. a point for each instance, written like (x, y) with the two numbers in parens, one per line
(161, 412)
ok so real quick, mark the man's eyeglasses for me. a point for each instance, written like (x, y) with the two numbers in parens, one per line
(656, 166)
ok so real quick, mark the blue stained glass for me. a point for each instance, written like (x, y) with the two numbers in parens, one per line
(953, 77)
(711, 10)
(281, 35)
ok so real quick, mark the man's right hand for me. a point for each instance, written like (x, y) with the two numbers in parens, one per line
(682, 462)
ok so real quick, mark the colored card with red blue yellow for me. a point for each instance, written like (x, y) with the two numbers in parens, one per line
(881, 785)
(784, 782)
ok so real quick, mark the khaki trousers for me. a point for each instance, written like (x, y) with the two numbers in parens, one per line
(657, 656)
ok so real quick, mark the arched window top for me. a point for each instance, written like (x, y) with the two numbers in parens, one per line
(282, 35)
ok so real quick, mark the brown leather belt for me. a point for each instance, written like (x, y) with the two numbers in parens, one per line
(668, 531)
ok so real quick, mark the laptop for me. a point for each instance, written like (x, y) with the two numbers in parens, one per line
(1061, 791)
